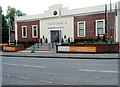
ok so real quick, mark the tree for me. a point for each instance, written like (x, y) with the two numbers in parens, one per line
(20, 13)
(5, 34)
(11, 12)
(3, 27)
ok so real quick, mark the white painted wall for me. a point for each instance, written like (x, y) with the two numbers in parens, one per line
(66, 26)
(67, 17)
(64, 12)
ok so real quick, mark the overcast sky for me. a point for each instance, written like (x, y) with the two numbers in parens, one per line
(31, 7)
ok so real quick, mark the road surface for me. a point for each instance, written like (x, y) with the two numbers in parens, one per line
(44, 71)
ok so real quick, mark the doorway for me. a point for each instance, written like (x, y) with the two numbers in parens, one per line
(55, 36)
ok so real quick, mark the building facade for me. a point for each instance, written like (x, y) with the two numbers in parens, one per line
(59, 22)
(0, 24)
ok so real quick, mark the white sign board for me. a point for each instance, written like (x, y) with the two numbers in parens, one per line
(63, 48)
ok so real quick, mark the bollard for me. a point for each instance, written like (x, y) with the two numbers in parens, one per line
(33, 49)
(52, 45)
(49, 46)
(38, 45)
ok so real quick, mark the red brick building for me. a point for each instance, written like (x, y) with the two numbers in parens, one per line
(58, 22)
(29, 26)
(91, 25)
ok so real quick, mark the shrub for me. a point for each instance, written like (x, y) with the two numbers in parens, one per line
(15, 45)
(104, 38)
(62, 41)
(40, 40)
(65, 37)
(76, 40)
(69, 40)
(98, 37)
(43, 37)
(46, 40)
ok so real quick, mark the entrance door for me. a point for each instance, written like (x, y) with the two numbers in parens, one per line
(55, 36)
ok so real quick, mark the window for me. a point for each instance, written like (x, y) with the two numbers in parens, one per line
(34, 31)
(100, 27)
(24, 31)
(81, 29)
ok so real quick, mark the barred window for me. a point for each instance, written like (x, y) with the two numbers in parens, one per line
(34, 31)
(24, 31)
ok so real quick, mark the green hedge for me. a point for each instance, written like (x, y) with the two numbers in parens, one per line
(21, 44)
(15, 45)
(90, 41)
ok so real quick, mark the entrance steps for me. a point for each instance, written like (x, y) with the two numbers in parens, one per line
(45, 47)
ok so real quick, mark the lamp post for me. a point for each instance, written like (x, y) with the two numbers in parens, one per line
(110, 19)
(111, 26)
(59, 23)
(9, 26)
(15, 23)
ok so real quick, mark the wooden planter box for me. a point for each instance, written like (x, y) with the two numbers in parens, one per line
(3, 44)
(13, 48)
(89, 48)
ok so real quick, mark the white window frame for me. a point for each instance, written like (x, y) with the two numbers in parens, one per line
(78, 28)
(36, 31)
(103, 26)
(25, 30)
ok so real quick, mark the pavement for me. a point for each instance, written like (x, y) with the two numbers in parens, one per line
(53, 54)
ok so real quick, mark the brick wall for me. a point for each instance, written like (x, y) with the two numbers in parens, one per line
(90, 27)
(12, 36)
(29, 31)
(100, 48)
(105, 48)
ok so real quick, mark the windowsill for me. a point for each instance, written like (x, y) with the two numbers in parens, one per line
(34, 37)
(100, 35)
(80, 36)
(24, 37)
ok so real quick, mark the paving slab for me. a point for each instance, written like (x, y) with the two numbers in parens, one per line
(53, 54)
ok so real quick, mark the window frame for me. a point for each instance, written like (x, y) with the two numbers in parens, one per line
(78, 30)
(103, 27)
(25, 30)
(36, 31)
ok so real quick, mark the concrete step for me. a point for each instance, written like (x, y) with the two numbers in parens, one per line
(43, 47)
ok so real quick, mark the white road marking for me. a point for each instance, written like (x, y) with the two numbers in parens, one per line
(25, 65)
(24, 78)
(85, 70)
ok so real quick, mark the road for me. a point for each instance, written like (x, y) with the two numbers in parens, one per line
(48, 71)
